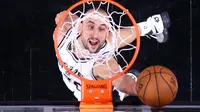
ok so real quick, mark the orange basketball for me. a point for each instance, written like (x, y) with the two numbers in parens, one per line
(157, 86)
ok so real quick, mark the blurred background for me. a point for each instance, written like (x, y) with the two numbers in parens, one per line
(28, 66)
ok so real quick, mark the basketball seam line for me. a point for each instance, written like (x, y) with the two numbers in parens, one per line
(166, 82)
(153, 73)
(157, 87)
(147, 82)
(164, 73)
(167, 73)
(144, 76)
(146, 86)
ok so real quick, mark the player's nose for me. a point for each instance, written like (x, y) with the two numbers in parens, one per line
(96, 34)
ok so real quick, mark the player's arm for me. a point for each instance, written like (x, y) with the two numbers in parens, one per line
(125, 83)
(126, 36)
(65, 25)
(152, 26)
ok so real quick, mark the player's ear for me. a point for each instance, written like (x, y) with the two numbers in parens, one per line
(108, 33)
(108, 36)
(80, 29)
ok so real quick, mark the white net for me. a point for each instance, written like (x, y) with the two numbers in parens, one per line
(113, 47)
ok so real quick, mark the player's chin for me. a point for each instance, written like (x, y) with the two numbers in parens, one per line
(93, 48)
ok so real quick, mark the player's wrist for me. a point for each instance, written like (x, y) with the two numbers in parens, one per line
(133, 73)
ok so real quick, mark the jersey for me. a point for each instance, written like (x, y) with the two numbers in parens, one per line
(81, 67)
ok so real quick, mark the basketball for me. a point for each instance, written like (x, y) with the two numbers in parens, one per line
(157, 86)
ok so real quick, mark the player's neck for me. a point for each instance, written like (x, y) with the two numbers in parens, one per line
(82, 52)
(80, 43)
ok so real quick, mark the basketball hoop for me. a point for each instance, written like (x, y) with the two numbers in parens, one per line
(98, 93)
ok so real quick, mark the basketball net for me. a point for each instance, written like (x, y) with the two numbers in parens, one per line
(102, 94)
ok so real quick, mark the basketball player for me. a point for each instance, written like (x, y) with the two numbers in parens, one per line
(94, 36)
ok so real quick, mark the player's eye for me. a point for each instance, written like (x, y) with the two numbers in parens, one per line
(90, 27)
(101, 29)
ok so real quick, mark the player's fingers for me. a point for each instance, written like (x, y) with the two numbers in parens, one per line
(60, 13)
(58, 16)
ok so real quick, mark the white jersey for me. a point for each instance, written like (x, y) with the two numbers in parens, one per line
(82, 67)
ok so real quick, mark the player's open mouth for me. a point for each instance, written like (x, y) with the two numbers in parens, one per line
(93, 42)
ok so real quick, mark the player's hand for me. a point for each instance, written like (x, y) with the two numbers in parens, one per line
(110, 68)
(106, 69)
(65, 25)
(58, 16)
(68, 18)
(101, 72)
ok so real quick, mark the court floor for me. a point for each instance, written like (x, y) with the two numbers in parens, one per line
(122, 108)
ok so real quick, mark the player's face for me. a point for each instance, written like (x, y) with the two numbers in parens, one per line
(94, 33)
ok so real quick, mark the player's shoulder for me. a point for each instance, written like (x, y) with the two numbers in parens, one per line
(66, 37)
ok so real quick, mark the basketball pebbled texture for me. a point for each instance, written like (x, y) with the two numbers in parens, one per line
(157, 86)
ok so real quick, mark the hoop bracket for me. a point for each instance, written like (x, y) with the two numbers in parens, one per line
(96, 94)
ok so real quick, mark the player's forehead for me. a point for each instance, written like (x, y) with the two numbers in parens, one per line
(102, 16)
(94, 22)
(99, 11)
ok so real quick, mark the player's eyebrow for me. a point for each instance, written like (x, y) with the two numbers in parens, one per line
(104, 25)
(90, 22)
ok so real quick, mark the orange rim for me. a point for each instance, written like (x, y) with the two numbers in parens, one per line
(122, 8)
